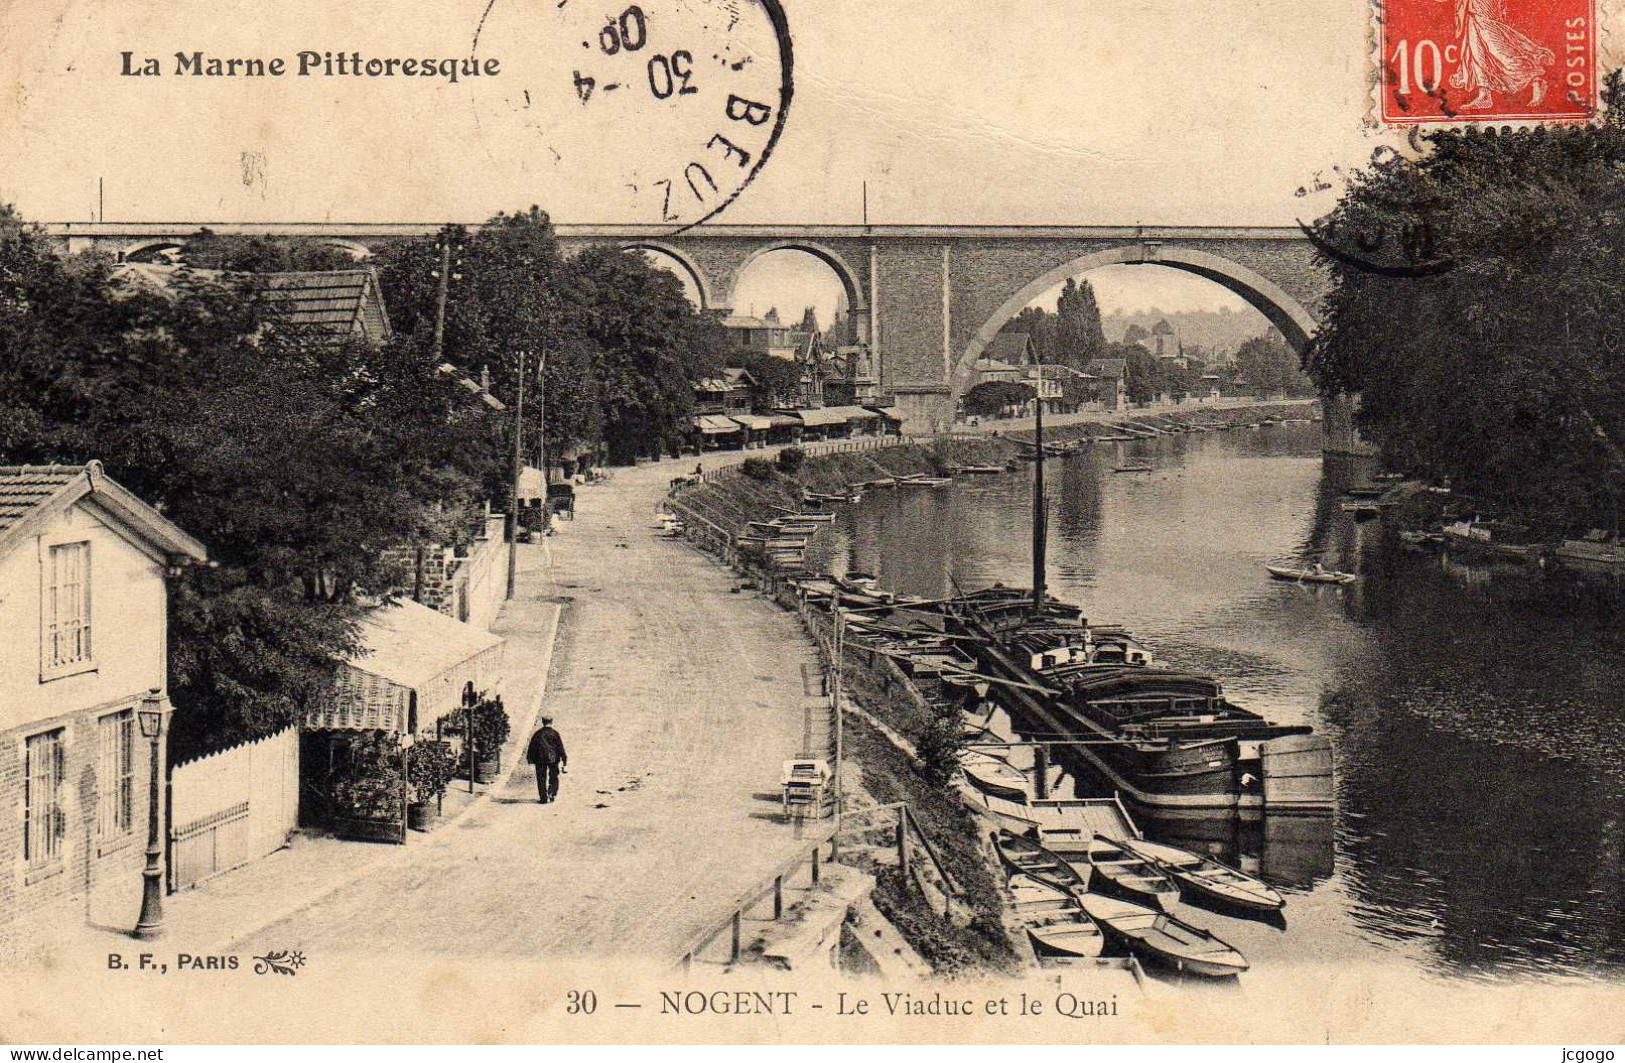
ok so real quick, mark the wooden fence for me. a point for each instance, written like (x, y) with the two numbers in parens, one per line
(232, 807)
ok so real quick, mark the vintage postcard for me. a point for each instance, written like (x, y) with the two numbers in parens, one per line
(771, 521)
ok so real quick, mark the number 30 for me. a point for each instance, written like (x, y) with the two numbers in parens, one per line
(581, 1002)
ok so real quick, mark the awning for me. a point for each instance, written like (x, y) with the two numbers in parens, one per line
(409, 652)
(751, 421)
(885, 414)
(853, 413)
(819, 418)
(716, 426)
(779, 420)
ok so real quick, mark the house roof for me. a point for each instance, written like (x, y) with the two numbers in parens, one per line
(340, 302)
(1012, 348)
(336, 303)
(33, 495)
(1162, 328)
(1114, 367)
(743, 321)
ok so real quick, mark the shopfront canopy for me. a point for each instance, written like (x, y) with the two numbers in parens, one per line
(413, 667)
(751, 421)
(716, 426)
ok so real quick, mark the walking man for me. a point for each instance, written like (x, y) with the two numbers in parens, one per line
(546, 752)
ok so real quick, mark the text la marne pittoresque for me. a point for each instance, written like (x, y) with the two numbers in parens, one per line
(324, 64)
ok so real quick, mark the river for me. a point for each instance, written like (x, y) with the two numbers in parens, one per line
(1477, 712)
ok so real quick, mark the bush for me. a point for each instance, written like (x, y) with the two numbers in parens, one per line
(491, 726)
(939, 746)
(791, 459)
(429, 767)
(758, 468)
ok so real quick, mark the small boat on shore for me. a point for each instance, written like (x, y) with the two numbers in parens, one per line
(1316, 574)
(1054, 919)
(1161, 938)
(993, 776)
(1021, 855)
(1594, 551)
(1207, 879)
(1133, 468)
(1115, 869)
(981, 470)
(924, 481)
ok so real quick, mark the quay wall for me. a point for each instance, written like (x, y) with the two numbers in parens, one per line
(1130, 422)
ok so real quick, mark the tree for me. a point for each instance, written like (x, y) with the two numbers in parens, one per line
(1268, 364)
(1079, 336)
(206, 249)
(992, 397)
(809, 321)
(1489, 350)
(299, 462)
(777, 381)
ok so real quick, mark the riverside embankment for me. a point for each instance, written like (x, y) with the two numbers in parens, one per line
(955, 925)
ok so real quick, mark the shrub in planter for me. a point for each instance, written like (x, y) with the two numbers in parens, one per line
(429, 768)
(491, 729)
(758, 468)
(365, 786)
(791, 459)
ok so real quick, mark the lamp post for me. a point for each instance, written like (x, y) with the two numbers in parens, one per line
(150, 925)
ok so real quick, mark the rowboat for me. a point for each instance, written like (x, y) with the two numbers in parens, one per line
(1310, 575)
(1208, 879)
(981, 470)
(1054, 919)
(993, 776)
(1421, 538)
(1021, 855)
(1132, 468)
(924, 481)
(1161, 938)
(1115, 869)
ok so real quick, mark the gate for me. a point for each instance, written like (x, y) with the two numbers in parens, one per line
(232, 807)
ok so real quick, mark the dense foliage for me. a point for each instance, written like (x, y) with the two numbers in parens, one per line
(622, 344)
(992, 397)
(1495, 360)
(298, 462)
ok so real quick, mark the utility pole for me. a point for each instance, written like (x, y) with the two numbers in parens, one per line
(839, 666)
(518, 467)
(1040, 504)
(440, 298)
(541, 436)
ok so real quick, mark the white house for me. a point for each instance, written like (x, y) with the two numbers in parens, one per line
(83, 642)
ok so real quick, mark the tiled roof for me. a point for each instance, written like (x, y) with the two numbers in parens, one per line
(31, 495)
(1010, 348)
(339, 303)
(24, 488)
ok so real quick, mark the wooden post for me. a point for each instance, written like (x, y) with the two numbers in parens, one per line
(1041, 771)
(815, 868)
(902, 841)
(778, 897)
(737, 927)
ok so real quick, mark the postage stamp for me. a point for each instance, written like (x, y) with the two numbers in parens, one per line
(1487, 60)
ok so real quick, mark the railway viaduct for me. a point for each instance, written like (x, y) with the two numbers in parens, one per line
(926, 298)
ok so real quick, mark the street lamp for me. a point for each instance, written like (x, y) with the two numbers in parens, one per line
(151, 924)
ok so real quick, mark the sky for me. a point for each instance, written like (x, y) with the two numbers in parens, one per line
(1154, 112)
(976, 111)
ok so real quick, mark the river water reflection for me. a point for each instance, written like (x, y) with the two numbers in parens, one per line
(1477, 713)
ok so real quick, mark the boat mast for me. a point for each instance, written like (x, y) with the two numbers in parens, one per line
(1040, 509)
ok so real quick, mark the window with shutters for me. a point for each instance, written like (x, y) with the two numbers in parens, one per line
(45, 821)
(115, 775)
(66, 608)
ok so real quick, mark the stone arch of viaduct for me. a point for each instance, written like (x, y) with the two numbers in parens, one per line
(927, 299)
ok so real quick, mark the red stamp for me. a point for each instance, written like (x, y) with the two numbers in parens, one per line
(1488, 60)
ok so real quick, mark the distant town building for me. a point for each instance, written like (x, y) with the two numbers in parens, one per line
(1112, 377)
(84, 608)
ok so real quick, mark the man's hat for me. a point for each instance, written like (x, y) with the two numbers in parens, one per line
(547, 719)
